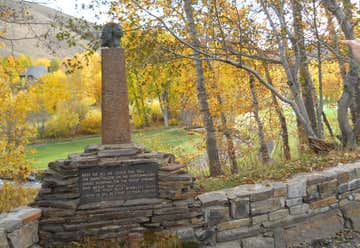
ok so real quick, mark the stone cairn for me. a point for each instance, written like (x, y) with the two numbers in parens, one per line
(117, 190)
(67, 216)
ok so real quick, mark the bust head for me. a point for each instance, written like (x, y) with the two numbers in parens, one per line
(111, 35)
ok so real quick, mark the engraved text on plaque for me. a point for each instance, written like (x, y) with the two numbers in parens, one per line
(121, 182)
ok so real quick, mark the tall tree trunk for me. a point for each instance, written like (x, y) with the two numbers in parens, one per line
(229, 140)
(139, 102)
(282, 119)
(288, 65)
(348, 134)
(143, 107)
(264, 152)
(320, 107)
(327, 123)
(335, 44)
(137, 105)
(355, 106)
(166, 104)
(163, 97)
(211, 143)
(307, 85)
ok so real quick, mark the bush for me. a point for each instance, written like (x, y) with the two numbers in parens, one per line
(155, 111)
(152, 112)
(62, 124)
(14, 195)
(92, 122)
(173, 122)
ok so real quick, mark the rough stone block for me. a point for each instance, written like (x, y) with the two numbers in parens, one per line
(256, 192)
(215, 215)
(315, 228)
(213, 198)
(28, 215)
(352, 212)
(354, 184)
(279, 238)
(300, 209)
(186, 234)
(328, 188)
(315, 211)
(10, 223)
(297, 187)
(204, 235)
(233, 224)
(261, 193)
(239, 208)
(117, 153)
(343, 176)
(344, 202)
(26, 236)
(314, 178)
(3, 239)
(231, 244)
(266, 206)
(342, 188)
(280, 189)
(258, 242)
(257, 220)
(312, 193)
(357, 171)
(236, 234)
(293, 202)
(36, 246)
(323, 202)
(279, 214)
(329, 174)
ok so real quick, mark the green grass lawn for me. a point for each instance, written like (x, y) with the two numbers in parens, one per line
(174, 139)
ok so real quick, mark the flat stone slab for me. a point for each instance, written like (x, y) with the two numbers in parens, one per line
(24, 237)
(352, 212)
(3, 239)
(256, 192)
(258, 242)
(297, 187)
(10, 223)
(28, 215)
(213, 198)
(117, 153)
(231, 244)
(314, 228)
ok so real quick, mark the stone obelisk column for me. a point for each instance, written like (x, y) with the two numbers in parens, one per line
(115, 103)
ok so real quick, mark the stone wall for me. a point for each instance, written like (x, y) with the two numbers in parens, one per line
(305, 208)
(19, 228)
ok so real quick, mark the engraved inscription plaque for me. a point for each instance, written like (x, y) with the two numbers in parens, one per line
(123, 182)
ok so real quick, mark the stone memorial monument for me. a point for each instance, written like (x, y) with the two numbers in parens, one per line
(115, 103)
(117, 190)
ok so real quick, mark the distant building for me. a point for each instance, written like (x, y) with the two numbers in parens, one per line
(34, 72)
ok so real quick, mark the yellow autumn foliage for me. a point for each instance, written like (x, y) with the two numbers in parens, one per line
(13, 196)
(91, 124)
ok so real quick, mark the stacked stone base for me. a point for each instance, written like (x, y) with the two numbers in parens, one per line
(19, 228)
(307, 208)
(65, 218)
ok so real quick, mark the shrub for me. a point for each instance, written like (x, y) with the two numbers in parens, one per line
(173, 122)
(14, 195)
(155, 111)
(62, 124)
(92, 122)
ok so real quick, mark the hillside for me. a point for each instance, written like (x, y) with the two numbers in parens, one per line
(27, 28)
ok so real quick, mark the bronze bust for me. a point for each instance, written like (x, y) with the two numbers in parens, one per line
(111, 35)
